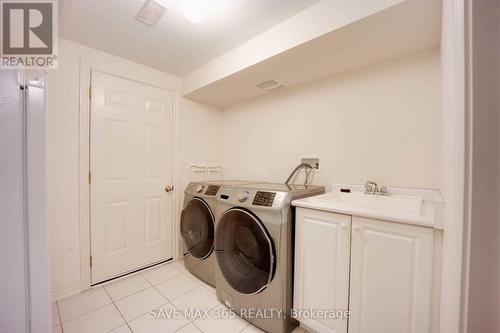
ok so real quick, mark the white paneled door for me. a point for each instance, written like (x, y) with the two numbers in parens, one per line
(131, 168)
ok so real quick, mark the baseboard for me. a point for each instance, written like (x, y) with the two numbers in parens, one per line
(63, 292)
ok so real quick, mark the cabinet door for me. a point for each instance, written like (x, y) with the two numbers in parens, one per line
(322, 246)
(391, 277)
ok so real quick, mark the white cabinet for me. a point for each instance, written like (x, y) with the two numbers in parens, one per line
(381, 271)
(391, 277)
(322, 247)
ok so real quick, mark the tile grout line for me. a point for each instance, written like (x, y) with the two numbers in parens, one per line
(196, 326)
(118, 310)
(171, 278)
(201, 285)
(100, 307)
(169, 302)
(135, 292)
(238, 316)
(176, 297)
(247, 322)
(86, 313)
(181, 273)
(163, 304)
(189, 274)
(112, 301)
(189, 323)
(213, 307)
(151, 285)
(188, 318)
(142, 314)
(138, 273)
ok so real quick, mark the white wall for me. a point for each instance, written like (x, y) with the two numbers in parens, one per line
(380, 123)
(199, 141)
(63, 149)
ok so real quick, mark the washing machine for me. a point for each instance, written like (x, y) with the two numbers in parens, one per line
(254, 234)
(197, 227)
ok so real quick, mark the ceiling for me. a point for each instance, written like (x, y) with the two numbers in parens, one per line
(174, 45)
(409, 27)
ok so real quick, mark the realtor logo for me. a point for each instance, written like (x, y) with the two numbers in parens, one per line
(29, 34)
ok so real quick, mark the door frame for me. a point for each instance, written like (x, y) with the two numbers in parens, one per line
(86, 67)
(453, 162)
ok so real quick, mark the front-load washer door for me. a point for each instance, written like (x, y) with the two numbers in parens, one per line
(197, 228)
(244, 251)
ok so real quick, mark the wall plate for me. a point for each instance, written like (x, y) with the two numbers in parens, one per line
(314, 162)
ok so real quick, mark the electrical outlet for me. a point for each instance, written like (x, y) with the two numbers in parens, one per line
(314, 162)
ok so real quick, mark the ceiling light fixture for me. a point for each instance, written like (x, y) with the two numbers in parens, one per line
(194, 10)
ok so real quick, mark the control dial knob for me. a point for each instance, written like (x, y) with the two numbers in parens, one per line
(200, 189)
(243, 196)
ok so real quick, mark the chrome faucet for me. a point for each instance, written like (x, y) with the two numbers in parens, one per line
(373, 188)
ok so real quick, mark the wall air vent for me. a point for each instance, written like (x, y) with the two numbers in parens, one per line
(270, 85)
(151, 12)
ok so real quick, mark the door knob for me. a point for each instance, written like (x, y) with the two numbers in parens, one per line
(169, 188)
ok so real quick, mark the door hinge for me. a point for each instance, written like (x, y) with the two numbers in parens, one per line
(90, 262)
(90, 177)
(90, 92)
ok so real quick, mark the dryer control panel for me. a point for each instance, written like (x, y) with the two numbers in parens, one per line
(264, 198)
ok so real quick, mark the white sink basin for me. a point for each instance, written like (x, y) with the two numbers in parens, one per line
(396, 203)
(405, 205)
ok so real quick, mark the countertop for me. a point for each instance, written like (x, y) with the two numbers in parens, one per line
(422, 207)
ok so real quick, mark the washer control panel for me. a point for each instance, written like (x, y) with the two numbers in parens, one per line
(252, 198)
(264, 199)
(212, 190)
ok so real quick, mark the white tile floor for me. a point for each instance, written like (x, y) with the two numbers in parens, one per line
(124, 306)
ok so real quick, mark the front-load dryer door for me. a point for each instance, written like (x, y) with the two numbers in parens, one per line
(197, 228)
(244, 251)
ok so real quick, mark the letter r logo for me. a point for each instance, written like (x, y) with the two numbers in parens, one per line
(27, 27)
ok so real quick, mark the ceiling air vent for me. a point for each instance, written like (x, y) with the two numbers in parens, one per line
(151, 12)
(270, 85)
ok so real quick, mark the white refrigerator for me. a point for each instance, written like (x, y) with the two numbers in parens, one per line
(24, 271)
